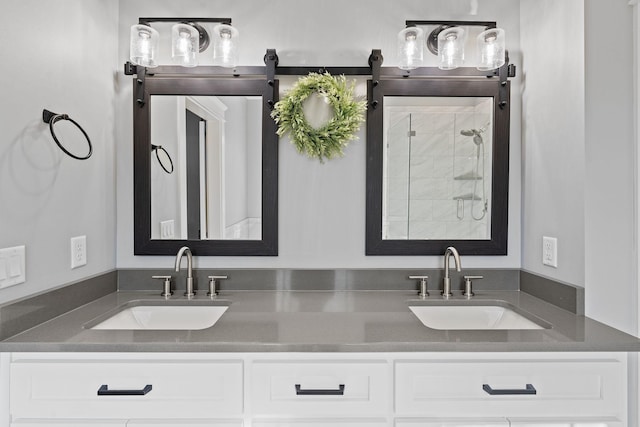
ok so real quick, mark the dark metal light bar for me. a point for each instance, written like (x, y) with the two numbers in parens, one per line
(220, 20)
(487, 24)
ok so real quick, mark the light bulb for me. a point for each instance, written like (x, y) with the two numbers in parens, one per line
(491, 49)
(451, 48)
(184, 45)
(409, 48)
(143, 45)
(225, 45)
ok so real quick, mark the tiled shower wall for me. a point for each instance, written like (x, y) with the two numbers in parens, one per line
(429, 165)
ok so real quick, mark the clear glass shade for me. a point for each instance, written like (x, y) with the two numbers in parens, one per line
(451, 48)
(143, 46)
(410, 48)
(491, 49)
(185, 41)
(225, 45)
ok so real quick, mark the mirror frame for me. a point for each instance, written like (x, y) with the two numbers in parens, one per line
(434, 87)
(203, 86)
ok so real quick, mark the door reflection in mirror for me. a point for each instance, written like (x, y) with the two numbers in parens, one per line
(437, 164)
(215, 192)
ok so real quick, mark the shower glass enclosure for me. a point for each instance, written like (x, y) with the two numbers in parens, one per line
(437, 168)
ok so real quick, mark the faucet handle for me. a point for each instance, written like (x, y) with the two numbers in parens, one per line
(166, 285)
(212, 285)
(423, 285)
(468, 291)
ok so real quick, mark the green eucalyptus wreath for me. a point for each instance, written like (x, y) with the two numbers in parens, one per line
(330, 139)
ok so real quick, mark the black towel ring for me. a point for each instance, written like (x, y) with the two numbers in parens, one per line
(51, 118)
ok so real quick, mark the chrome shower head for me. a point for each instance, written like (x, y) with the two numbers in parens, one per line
(475, 133)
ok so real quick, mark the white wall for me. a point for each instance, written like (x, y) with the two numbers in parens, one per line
(165, 192)
(553, 136)
(60, 55)
(321, 206)
(610, 259)
(235, 158)
(579, 150)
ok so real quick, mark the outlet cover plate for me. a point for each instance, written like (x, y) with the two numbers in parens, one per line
(550, 251)
(78, 251)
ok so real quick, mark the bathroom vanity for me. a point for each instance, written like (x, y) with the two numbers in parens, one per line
(313, 359)
(318, 389)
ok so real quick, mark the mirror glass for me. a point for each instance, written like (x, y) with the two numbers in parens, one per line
(215, 134)
(437, 164)
(216, 146)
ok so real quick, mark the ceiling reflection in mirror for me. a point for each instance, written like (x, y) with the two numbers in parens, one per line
(215, 191)
(437, 168)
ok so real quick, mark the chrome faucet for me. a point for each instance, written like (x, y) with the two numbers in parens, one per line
(185, 250)
(446, 288)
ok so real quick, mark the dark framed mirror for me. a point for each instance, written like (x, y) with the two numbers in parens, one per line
(437, 166)
(222, 197)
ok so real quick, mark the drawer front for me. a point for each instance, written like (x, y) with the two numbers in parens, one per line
(453, 422)
(70, 389)
(321, 423)
(573, 422)
(72, 423)
(141, 423)
(511, 388)
(184, 423)
(321, 388)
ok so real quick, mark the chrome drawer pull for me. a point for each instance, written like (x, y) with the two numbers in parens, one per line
(104, 391)
(311, 392)
(529, 389)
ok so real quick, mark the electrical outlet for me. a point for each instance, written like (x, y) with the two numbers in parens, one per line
(78, 251)
(550, 251)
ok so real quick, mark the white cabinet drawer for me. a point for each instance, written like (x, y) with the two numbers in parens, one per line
(453, 422)
(69, 389)
(572, 422)
(310, 389)
(141, 423)
(321, 423)
(184, 423)
(563, 387)
(72, 423)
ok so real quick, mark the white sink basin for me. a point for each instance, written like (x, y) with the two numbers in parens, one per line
(448, 317)
(164, 317)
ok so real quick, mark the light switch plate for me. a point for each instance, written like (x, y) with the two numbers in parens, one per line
(167, 230)
(12, 266)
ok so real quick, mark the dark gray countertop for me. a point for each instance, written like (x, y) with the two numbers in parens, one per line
(321, 321)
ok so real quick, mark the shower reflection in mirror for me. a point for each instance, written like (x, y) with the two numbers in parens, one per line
(216, 141)
(437, 168)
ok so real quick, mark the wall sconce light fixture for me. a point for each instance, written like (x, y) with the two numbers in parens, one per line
(448, 41)
(188, 39)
